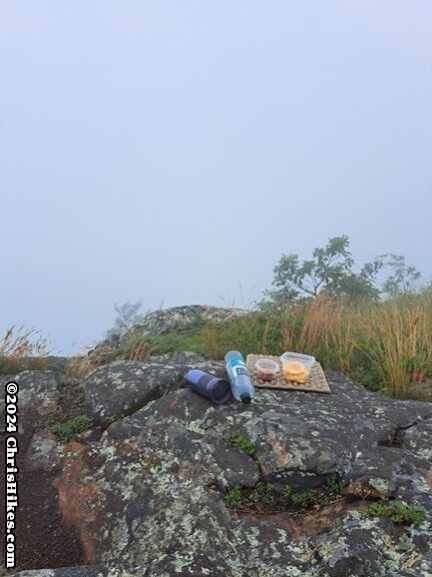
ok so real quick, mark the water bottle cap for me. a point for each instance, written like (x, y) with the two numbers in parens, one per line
(245, 398)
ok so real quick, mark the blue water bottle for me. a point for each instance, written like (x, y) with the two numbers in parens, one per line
(241, 384)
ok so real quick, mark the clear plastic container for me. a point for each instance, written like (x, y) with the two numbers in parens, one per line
(296, 366)
(267, 369)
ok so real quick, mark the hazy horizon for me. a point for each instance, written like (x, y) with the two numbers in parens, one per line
(173, 151)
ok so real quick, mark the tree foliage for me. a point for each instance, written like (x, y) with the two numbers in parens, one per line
(331, 269)
(127, 315)
(403, 280)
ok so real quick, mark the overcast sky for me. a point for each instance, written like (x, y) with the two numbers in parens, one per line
(174, 150)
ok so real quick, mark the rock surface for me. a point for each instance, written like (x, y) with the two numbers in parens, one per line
(122, 387)
(43, 452)
(173, 319)
(148, 497)
(38, 396)
(81, 571)
(41, 539)
(118, 387)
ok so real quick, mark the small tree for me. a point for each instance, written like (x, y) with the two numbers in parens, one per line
(330, 269)
(403, 280)
(127, 316)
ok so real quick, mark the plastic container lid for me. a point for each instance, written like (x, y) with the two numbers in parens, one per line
(306, 360)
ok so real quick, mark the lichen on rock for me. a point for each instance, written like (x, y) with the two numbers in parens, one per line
(148, 497)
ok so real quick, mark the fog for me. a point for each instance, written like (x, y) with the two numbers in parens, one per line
(174, 150)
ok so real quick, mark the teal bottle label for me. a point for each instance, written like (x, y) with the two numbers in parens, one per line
(238, 367)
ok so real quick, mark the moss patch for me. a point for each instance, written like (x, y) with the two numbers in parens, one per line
(241, 442)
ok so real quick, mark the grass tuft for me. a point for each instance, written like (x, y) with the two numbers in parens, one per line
(22, 349)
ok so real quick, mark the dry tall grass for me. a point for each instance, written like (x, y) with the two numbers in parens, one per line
(20, 346)
(80, 365)
(400, 337)
(386, 344)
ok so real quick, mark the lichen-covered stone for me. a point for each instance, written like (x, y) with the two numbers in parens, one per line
(118, 387)
(149, 496)
(38, 396)
(122, 387)
(38, 392)
(417, 438)
(43, 452)
(78, 571)
(173, 319)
